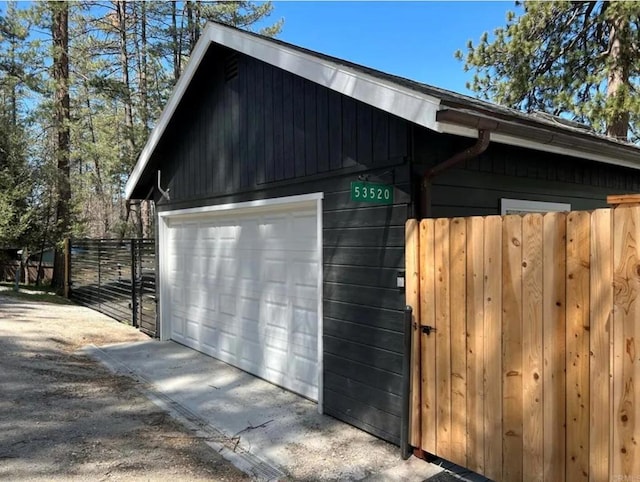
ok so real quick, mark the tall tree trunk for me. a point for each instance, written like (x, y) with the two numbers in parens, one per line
(143, 69)
(124, 65)
(128, 107)
(141, 48)
(193, 23)
(60, 33)
(11, 10)
(105, 204)
(196, 25)
(618, 125)
(176, 44)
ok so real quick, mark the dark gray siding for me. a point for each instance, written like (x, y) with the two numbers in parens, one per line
(363, 250)
(363, 317)
(477, 186)
(263, 125)
(266, 133)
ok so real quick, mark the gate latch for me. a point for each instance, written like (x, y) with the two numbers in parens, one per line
(427, 329)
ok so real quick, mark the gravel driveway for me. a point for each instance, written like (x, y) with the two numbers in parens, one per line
(64, 417)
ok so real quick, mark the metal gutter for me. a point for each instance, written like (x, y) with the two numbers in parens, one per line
(484, 138)
(542, 136)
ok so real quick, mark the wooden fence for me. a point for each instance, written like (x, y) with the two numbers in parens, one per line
(524, 356)
(8, 272)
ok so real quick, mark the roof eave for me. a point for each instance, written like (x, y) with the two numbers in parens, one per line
(430, 110)
(539, 137)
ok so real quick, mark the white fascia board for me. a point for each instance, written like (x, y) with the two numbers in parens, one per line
(402, 102)
(446, 128)
(388, 96)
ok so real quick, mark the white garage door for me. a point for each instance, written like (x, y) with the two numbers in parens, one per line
(242, 285)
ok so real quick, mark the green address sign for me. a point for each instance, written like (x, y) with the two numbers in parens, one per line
(370, 192)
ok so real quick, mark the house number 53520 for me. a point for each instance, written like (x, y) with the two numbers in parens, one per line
(362, 191)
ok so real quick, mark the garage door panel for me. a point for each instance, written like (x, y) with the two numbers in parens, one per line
(192, 331)
(244, 289)
(302, 368)
(249, 350)
(273, 275)
(304, 361)
(277, 357)
(304, 333)
(276, 338)
(227, 345)
(304, 272)
(227, 304)
(304, 345)
(274, 311)
(177, 324)
(209, 320)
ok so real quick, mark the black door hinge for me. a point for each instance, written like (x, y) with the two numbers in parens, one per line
(427, 329)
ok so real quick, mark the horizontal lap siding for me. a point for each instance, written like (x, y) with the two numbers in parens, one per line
(269, 134)
(363, 309)
(475, 187)
(465, 193)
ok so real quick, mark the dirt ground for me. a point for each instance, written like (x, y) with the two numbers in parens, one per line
(65, 417)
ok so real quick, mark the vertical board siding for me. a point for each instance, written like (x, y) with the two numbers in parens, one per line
(349, 131)
(322, 123)
(266, 125)
(278, 94)
(266, 168)
(310, 132)
(536, 319)
(300, 136)
(289, 118)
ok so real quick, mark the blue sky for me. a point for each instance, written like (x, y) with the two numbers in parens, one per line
(411, 39)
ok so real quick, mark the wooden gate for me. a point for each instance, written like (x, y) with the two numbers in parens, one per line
(523, 349)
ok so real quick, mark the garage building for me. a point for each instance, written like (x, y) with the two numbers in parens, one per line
(283, 179)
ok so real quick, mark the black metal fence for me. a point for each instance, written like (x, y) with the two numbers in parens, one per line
(117, 278)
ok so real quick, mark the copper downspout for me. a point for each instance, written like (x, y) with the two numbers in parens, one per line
(484, 137)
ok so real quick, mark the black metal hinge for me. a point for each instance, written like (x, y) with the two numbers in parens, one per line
(427, 329)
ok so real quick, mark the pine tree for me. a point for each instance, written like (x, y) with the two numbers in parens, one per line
(89, 73)
(60, 74)
(576, 59)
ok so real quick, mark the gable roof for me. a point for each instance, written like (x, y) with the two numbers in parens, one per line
(436, 109)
